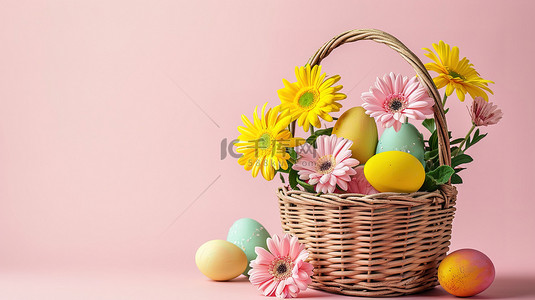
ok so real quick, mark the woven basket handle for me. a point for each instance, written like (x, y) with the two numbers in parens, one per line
(379, 36)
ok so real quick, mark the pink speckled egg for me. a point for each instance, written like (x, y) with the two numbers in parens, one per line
(466, 272)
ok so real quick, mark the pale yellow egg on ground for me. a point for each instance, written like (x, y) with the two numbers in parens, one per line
(220, 260)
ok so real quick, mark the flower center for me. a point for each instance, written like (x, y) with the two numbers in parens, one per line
(325, 164)
(281, 268)
(395, 103)
(264, 141)
(455, 74)
(308, 98)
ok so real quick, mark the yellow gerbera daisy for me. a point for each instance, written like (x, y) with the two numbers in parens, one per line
(454, 74)
(310, 97)
(263, 143)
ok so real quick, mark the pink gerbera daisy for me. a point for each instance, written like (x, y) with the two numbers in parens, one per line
(395, 98)
(327, 166)
(484, 113)
(281, 271)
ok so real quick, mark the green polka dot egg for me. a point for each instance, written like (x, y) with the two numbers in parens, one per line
(408, 139)
(248, 234)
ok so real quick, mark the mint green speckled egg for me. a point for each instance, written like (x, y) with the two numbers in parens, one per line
(407, 139)
(248, 234)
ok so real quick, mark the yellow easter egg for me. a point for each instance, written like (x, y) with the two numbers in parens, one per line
(220, 260)
(357, 126)
(394, 171)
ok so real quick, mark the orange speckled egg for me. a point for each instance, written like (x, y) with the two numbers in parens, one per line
(466, 272)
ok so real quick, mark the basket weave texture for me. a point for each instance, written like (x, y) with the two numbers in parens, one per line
(382, 245)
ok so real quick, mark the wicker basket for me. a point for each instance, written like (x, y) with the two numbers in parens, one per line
(381, 245)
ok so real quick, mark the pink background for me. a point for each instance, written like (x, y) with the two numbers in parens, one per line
(113, 112)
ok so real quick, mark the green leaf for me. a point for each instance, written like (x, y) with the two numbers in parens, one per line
(308, 187)
(429, 124)
(467, 143)
(446, 110)
(429, 185)
(282, 178)
(437, 177)
(433, 140)
(457, 170)
(478, 138)
(442, 174)
(312, 139)
(476, 133)
(456, 141)
(456, 179)
(430, 154)
(461, 159)
(292, 178)
(326, 131)
(431, 164)
(292, 153)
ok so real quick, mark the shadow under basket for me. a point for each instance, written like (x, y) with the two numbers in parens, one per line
(380, 245)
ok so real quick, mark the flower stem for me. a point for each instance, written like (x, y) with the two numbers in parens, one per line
(465, 139)
(444, 101)
(311, 130)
